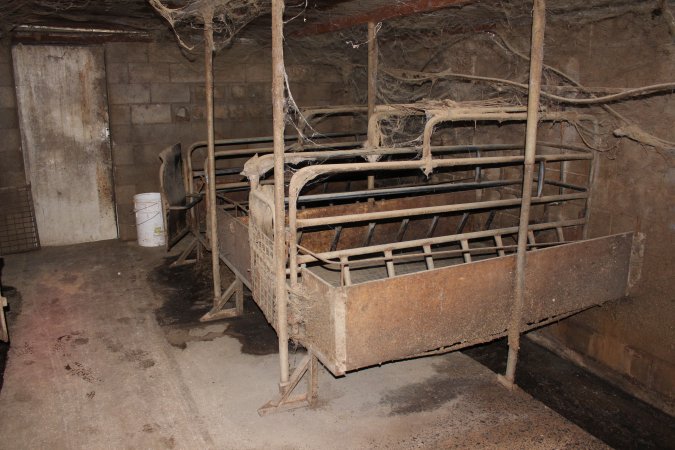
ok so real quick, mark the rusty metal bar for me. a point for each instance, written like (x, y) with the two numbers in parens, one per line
(430, 210)
(432, 226)
(534, 92)
(428, 257)
(419, 257)
(380, 248)
(346, 276)
(500, 245)
(265, 163)
(389, 261)
(336, 238)
(211, 166)
(466, 251)
(372, 80)
(279, 116)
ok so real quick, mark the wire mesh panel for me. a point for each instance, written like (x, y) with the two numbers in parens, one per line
(18, 230)
(262, 272)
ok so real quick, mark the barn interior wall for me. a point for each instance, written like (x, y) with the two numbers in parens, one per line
(11, 159)
(631, 340)
(156, 97)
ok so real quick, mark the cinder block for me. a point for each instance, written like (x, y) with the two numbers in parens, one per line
(120, 114)
(11, 140)
(664, 378)
(129, 174)
(159, 134)
(252, 92)
(181, 113)
(6, 73)
(117, 73)
(11, 168)
(149, 72)
(121, 134)
(165, 52)
(148, 155)
(170, 93)
(123, 154)
(186, 73)
(127, 231)
(126, 52)
(7, 97)
(259, 72)
(148, 114)
(124, 195)
(120, 94)
(8, 119)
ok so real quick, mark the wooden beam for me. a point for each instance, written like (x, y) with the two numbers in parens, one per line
(389, 12)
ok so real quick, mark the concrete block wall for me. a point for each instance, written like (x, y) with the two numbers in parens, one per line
(630, 341)
(11, 159)
(633, 338)
(156, 99)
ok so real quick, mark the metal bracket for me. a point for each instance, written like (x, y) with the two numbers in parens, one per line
(309, 367)
(182, 258)
(217, 312)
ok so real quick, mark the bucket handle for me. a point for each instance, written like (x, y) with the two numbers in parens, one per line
(151, 205)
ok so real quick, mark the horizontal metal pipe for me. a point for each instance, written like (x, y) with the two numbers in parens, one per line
(385, 192)
(431, 210)
(574, 187)
(381, 248)
(270, 150)
(264, 163)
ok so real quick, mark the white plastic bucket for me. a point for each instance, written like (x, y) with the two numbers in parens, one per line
(149, 219)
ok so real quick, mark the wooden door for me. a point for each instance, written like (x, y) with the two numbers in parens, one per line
(63, 114)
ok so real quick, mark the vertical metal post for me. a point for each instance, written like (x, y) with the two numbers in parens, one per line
(279, 211)
(211, 169)
(372, 81)
(536, 66)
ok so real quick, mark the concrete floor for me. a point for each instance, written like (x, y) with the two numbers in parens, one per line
(95, 363)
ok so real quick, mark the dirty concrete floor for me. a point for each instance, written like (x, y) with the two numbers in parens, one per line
(102, 358)
(618, 419)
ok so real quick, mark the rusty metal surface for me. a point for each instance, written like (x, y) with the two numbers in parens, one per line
(233, 244)
(408, 315)
(576, 276)
(354, 236)
(324, 333)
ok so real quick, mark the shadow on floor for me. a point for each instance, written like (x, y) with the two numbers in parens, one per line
(608, 413)
(187, 294)
(601, 409)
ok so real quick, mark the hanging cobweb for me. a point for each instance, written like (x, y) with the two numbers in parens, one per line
(228, 18)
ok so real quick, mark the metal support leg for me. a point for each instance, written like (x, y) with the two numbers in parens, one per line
(286, 400)
(235, 289)
(182, 258)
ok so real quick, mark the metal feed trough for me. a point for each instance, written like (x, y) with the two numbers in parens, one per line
(415, 265)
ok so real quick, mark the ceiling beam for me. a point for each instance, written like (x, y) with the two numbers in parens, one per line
(394, 11)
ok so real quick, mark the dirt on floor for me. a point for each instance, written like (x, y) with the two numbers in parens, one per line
(188, 295)
(618, 419)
